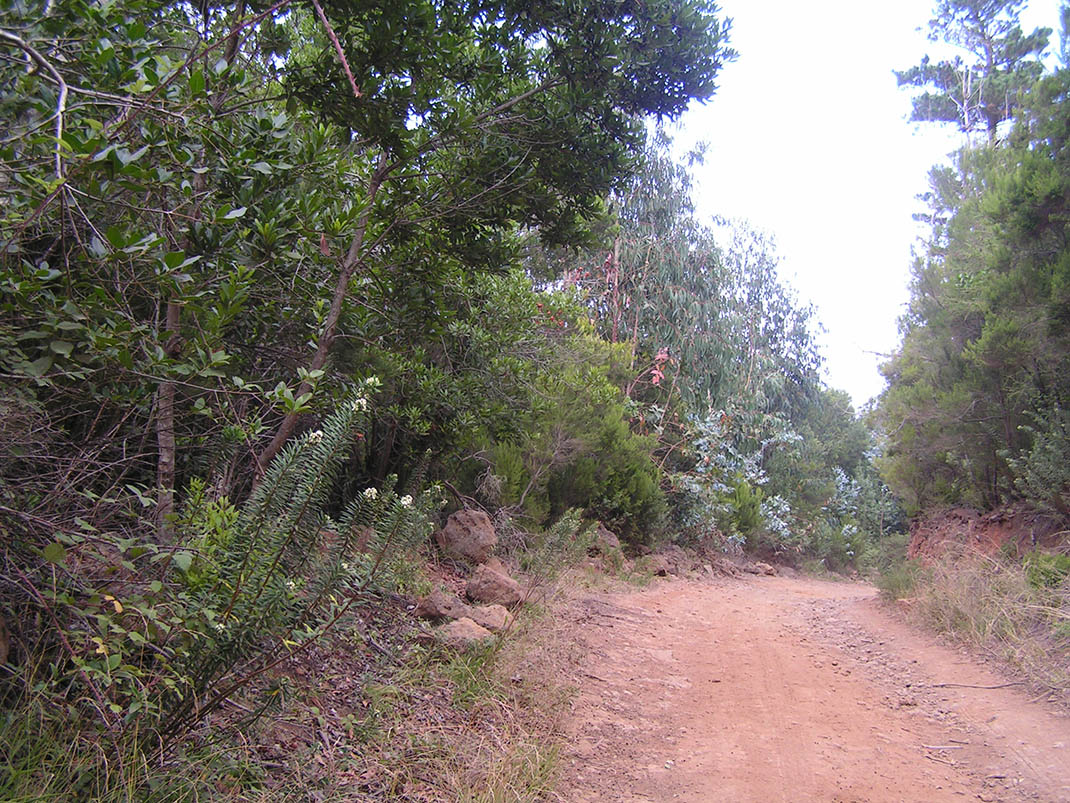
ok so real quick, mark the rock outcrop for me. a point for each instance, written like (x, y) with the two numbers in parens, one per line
(961, 531)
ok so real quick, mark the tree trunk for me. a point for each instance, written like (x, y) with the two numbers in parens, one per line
(349, 265)
(165, 429)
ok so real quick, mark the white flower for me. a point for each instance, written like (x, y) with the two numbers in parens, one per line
(290, 584)
(315, 436)
(370, 493)
(406, 501)
(222, 628)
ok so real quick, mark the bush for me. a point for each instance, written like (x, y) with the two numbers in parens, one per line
(135, 644)
(887, 553)
(1043, 471)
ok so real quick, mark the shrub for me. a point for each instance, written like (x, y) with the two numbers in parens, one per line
(137, 643)
(1043, 471)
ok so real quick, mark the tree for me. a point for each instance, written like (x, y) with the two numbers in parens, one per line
(476, 119)
(286, 199)
(983, 88)
(979, 381)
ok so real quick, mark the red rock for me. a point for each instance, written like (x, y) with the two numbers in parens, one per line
(462, 633)
(487, 585)
(441, 605)
(493, 617)
(468, 534)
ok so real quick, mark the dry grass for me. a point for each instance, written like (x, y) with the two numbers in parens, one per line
(990, 604)
(481, 726)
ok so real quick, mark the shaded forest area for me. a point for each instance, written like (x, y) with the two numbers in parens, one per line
(283, 284)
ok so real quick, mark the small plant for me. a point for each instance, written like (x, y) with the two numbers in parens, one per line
(1046, 570)
(898, 581)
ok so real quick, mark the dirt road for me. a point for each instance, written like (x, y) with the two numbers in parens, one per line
(776, 689)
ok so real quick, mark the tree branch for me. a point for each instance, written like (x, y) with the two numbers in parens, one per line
(61, 102)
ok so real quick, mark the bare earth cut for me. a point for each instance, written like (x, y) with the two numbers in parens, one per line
(777, 689)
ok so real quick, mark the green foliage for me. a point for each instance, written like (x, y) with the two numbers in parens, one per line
(975, 389)
(614, 481)
(138, 663)
(986, 90)
(1046, 570)
(745, 511)
(1043, 471)
(898, 580)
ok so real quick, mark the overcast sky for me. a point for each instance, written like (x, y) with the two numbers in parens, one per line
(809, 141)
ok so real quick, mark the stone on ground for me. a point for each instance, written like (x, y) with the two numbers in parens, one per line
(462, 633)
(604, 539)
(493, 617)
(468, 534)
(442, 605)
(487, 585)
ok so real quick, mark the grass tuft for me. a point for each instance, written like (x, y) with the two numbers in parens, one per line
(1018, 614)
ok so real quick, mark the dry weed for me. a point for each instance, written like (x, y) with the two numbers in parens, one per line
(990, 604)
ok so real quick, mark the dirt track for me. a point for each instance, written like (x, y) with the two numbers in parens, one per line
(775, 689)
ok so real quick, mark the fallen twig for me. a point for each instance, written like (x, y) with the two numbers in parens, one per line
(940, 760)
(972, 686)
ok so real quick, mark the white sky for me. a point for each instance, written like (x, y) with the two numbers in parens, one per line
(809, 141)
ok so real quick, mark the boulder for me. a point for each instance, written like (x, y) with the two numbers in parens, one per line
(462, 633)
(468, 534)
(496, 565)
(765, 568)
(442, 605)
(604, 540)
(493, 617)
(487, 585)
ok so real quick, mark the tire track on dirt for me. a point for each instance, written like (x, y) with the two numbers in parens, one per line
(776, 689)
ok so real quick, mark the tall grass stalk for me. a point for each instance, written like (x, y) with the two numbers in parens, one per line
(989, 603)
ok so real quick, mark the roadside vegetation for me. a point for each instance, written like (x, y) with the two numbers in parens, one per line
(1016, 610)
(974, 414)
(284, 285)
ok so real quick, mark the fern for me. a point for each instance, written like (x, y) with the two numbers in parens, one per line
(286, 572)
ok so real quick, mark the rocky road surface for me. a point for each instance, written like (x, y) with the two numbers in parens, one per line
(776, 689)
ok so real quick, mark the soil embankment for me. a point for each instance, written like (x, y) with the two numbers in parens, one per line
(775, 689)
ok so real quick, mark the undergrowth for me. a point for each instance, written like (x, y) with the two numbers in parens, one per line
(1016, 611)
